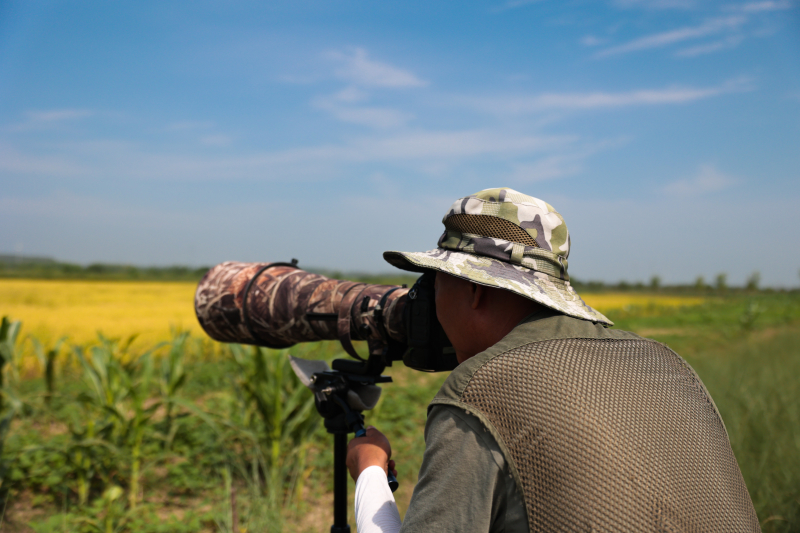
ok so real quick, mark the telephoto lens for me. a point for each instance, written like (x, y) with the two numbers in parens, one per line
(278, 305)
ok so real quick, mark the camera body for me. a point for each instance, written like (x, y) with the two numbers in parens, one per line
(428, 348)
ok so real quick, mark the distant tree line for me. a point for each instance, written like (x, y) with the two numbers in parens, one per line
(46, 268)
(700, 286)
(12, 266)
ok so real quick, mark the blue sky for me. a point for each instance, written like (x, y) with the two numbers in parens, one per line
(666, 132)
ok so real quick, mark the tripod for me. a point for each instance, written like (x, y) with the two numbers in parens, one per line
(339, 432)
(340, 396)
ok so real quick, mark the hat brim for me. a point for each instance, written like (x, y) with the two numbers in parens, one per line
(544, 289)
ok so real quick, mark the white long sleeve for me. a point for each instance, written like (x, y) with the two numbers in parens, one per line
(376, 511)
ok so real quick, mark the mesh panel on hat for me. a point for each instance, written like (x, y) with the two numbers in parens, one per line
(612, 435)
(489, 226)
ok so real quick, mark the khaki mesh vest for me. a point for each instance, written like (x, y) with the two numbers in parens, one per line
(604, 431)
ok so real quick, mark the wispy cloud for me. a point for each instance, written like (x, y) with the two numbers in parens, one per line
(20, 162)
(373, 117)
(347, 106)
(591, 40)
(761, 7)
(513, 4)
(659, 40)
(216, 140)
(547, 168)
(357, 68)
(58, 115)
(656, 4)
(708, 48)
(45, 119)
(350, 95)
(364, 74)
(707, 179)
(568, 161)
(184, 125)
(419, 150)
(449, 144)
(600, 100)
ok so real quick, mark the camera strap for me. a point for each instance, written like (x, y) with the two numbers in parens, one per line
(378, 314)
(246, 311)
(343, 324)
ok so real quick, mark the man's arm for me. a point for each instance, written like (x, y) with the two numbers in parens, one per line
(376, 510)
(368, 462)
(464, 484)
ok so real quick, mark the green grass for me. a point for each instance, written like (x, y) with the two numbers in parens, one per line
(216, 445)
(754, 383)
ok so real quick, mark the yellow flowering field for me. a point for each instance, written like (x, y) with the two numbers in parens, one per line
(50, 309)
(620, 300)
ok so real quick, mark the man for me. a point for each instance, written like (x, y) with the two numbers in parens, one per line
(551, 421)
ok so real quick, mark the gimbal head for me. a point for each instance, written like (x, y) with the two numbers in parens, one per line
(341, 395)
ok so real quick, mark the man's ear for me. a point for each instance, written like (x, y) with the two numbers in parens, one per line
(478, 293)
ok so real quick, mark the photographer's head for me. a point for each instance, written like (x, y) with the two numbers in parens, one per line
(506, 241)
(475, 317)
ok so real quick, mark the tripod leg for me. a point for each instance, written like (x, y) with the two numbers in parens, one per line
(340, 524)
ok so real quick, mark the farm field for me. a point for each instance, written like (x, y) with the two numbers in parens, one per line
(79, 309)
(198, 436)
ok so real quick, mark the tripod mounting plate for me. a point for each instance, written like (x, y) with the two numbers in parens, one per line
(359, 391)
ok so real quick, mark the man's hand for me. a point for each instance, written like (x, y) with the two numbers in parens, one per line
(373, 449)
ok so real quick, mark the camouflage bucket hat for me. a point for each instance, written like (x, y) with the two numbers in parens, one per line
(506, 239)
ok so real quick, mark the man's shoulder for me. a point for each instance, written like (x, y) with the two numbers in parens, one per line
(550, 325)
(546, 325)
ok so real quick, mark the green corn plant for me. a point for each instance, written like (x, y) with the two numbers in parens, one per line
(120, 390)
(171, 379)
(6, 418)
(280, 413)
(748, 319)
(9, 330)
(109, 515)
(47, 359)
(90, 454)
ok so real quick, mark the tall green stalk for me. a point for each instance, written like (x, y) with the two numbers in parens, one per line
(284, 419)
(136, 463)
(47, 359)
(9, 330)
(119, 391)
(171, 380)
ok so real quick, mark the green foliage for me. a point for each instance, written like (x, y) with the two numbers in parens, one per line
(754, 383)
(748, 319)
(234, 441)
(9, 331)
(47, 360)
(752, 281)
(721, 282)
(171, 380)
(114, 408)
(700, 284)
(273, 413)
(44, 268)
(126, 425)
